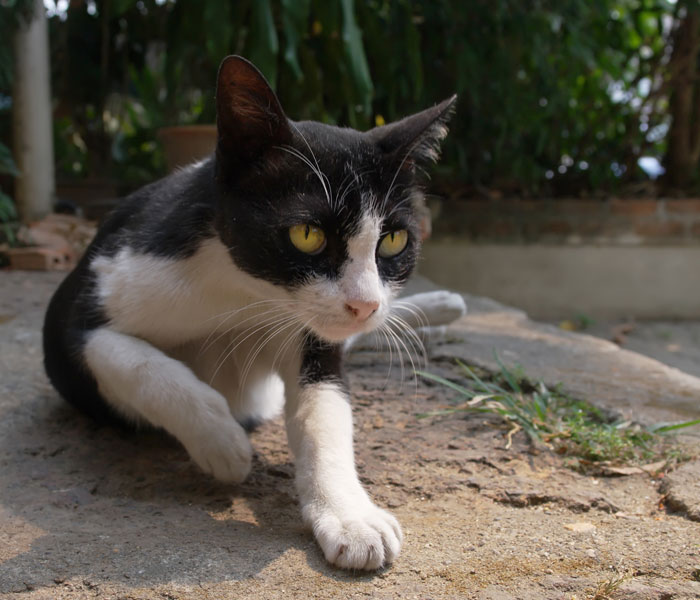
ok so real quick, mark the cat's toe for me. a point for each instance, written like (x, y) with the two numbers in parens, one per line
(446, 307)
(367, 539)
(224, 452)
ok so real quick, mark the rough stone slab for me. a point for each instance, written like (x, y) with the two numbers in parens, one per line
(587, 367)
(89, 511)
(682, 489)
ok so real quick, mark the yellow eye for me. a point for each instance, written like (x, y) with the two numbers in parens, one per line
(393, 243)
(307, 238)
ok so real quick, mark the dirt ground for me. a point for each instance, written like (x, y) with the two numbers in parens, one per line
(94, 512)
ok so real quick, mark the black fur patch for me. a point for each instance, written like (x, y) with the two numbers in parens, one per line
(260, 206)
(321, 362)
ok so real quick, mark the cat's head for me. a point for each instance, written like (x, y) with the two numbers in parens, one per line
(328, 215)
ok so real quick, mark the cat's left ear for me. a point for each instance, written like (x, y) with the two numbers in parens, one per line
(249, 117)
(415, 138)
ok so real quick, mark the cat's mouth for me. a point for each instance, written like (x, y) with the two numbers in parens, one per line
(339, 331)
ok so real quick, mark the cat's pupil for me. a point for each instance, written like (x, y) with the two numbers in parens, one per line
(307, 231)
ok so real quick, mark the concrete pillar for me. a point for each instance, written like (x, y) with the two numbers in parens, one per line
(32, 119)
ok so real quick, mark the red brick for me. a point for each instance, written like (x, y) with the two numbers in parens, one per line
(686, 206)
(592, 228)
(633, 207)
(556, 227)
(494, 230)
(38, 258)
(657, 229)
(577, 207)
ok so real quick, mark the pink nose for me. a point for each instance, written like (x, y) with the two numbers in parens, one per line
(361, 309)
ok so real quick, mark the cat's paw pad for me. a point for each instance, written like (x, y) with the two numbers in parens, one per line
(223, 451)
(368, 538)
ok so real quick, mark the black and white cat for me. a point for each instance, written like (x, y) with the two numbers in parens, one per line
(211, 296)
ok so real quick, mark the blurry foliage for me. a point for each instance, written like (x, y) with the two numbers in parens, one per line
(13, 13)
(8, 213)
(556, 97)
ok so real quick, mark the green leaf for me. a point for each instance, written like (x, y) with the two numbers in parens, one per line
(218, 38)
(264, 42)
(7, 164)
(118, 7)
(295, 17)
(7, 208)
(355, 56)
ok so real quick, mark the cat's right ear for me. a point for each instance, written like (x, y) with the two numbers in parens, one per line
(249, 117)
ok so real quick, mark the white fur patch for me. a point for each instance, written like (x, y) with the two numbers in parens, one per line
(170, 301)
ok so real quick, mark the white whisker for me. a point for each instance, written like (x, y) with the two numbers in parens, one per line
(260, 345)
(208, 343)
(256, 328)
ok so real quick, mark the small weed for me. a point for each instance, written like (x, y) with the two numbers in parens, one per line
(608, 587)
(569, 427)
(579, 322)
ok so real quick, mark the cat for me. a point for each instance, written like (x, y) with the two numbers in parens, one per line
(208, 296)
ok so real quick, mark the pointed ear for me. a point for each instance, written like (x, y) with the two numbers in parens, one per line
(416, 138)
(249, 117)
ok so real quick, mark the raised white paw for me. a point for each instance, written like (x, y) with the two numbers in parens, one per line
(359, 537)
(223, 450)
(439, 308)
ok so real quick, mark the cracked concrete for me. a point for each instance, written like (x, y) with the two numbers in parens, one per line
(93, 512)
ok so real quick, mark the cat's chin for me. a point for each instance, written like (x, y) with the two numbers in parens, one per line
(341, 333)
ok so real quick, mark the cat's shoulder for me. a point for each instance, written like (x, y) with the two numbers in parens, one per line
(168, 218)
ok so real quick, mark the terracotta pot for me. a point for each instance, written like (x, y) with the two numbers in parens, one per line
(185, 144)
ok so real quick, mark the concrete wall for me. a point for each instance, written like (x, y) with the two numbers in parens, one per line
(557, 281)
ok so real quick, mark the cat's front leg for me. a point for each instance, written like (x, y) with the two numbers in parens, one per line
(352, 531)
(142, 383)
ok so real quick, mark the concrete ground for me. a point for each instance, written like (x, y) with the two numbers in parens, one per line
(675, 343)
(92, 512)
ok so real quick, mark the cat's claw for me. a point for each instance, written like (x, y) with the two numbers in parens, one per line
(367, 538)
(224, 451)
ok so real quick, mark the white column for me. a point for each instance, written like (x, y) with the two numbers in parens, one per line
(31, 114)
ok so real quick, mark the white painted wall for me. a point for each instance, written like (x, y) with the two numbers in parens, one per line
(552, 282)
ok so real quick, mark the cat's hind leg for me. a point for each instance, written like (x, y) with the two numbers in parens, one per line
(143, 383)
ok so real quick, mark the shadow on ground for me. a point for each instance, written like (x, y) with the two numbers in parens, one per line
(131, 507)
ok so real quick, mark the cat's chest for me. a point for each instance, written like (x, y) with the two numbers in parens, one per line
(171, 301)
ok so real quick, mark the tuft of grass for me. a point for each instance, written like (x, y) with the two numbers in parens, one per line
(607, 588)
(567, 426)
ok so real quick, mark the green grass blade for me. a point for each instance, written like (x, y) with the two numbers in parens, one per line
(446, 382)
(485, 387)
(507, 375)
(674, 426)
